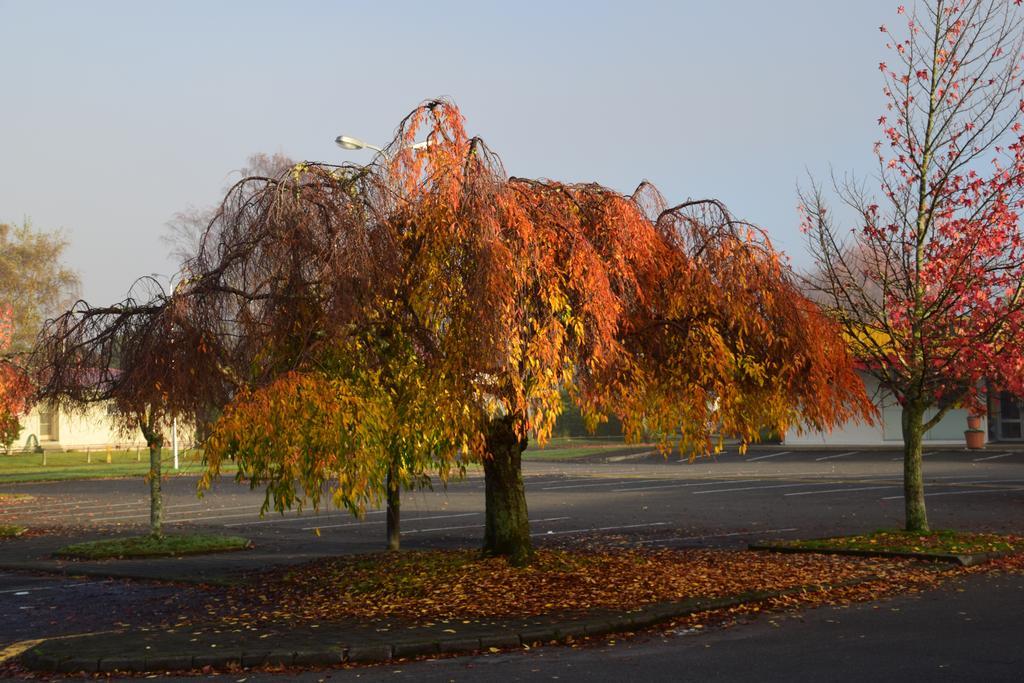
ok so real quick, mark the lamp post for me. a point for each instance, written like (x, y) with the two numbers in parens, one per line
(155, 277)
(346, 142)
(392, 487)
(351, 143)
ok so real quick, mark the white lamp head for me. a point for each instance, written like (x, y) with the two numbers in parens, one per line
(346, 142)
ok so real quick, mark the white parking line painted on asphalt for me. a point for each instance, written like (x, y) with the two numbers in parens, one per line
(203, 516)
(406, 520)
(441, 528)
(963, 493)
(66, 504)
(32, 589)
(765, 457)
(301, 518)
(838, 455)
(537, 479)
(173, 511)
(966, 482)
(214, 518)
(140, 501)
(824, 480)
(601, 528)
(993, 457)
(603, 483)
(143, 506)
(756, 488)
(685, 486)
(923, 455)
(860, 488)
(477, 526)
(712, 456)
(178, 506)
(28, 507)
(728, 535)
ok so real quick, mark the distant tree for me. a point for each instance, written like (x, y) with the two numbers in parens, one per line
(187, 227)
(34, 282)
(928, 285)
(131, 357)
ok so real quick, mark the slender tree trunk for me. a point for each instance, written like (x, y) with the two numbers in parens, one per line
(913, 481)
(156, 501)
(394, 495)
(507, 524)
(148, 427)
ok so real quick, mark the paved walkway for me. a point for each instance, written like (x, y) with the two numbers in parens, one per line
(145, 647)
(731, 501)
(160, 650)
(967, 631)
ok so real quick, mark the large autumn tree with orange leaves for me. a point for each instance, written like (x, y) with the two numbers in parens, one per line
(427, 310)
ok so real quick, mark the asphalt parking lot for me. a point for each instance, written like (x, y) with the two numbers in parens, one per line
(648, 501)
(728, 500)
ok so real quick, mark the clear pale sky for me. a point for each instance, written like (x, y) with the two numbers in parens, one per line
(116, 115)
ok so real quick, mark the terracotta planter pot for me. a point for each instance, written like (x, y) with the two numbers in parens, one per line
(975, 438)
(974, 421)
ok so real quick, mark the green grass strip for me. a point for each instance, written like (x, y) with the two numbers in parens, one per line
(60, 466)
(11, 530)
(935, 541)
(151, 546)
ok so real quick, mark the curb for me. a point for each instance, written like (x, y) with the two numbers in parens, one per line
(962, 559)
(72, 557)
(331, 654)
(71, 569)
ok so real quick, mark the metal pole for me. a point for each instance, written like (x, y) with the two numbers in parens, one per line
(174, 440)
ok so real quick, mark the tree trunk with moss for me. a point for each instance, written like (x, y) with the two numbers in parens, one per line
(156, 502)
(913, 480)
(394, 501)
(507, 524)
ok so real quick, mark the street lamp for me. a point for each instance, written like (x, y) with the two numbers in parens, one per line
(347, 142)
(155, 277)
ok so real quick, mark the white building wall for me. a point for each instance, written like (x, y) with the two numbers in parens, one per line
(93, 428)
(888, 430)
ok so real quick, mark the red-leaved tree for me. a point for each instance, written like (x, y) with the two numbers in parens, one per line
(14, 387)
(928, 286)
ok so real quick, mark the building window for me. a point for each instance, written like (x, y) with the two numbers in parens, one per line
(1009, 417)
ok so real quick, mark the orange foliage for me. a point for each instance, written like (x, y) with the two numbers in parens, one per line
(680, 320)
(503, 292)
(341, 425)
